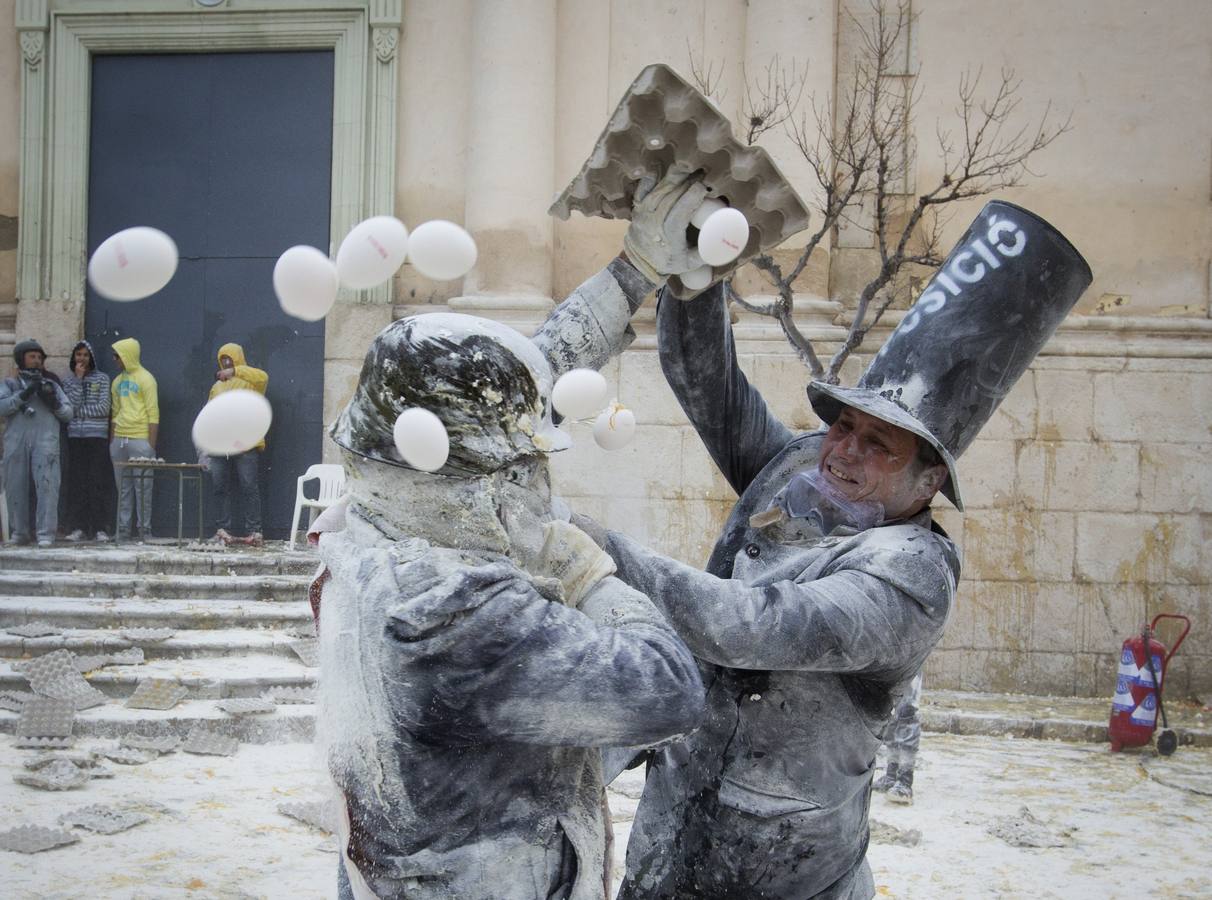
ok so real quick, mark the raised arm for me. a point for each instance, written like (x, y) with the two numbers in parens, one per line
(880, 611)
(698, 357)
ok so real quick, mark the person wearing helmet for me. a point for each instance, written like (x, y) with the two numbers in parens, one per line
(34, 406)
(475, 649)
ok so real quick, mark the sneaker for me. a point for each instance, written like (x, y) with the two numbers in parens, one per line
(17, 540)
(45, 542)
(76, 536)
(102, 537)
(901, 792)
(255, 540)
(885, 781)
(223, 537)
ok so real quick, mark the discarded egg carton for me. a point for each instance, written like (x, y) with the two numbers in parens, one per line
(661, 122)
(165, 744)
(316, 813)
(209, 743)
(104, 819)
(43, 743)
(126, 756)
(79, 760)
(132, 656)
(157, 693)
(60, 775)
(147, 635)
(13, 700)
(288, 695)
(57, 675)
(88, 663)
(308, 651)
(35, 838)
(46, 717)
(34, 630)
(246, 706)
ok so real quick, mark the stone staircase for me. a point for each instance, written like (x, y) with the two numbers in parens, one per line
(235, 615)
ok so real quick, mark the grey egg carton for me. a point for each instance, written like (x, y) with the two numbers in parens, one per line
(57, 675)
(127, 756)
(246, 706)
(35, 838)
(79, 760)
(316, 813)
(14, 700)
(209, 743)
(33, 630)
(104, 819)
(43, 743)
(46, 717)
(157, 693)
(308, 651)
(147, 635)
(289, 695)
(166, 744)
(60, 775)
(663, 121)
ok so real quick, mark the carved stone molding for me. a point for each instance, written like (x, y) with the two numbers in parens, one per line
(386, 40)
(32, 45)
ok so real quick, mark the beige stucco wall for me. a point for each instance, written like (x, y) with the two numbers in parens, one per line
(1089, 493)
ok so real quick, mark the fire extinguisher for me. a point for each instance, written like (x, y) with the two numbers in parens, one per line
(1138, 690)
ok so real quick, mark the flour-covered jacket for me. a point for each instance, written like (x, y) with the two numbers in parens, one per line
(806, 645)
(464, 709)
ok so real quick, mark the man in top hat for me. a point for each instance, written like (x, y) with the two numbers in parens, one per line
(831, 582)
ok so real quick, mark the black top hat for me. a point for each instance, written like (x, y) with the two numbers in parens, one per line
(975, 328)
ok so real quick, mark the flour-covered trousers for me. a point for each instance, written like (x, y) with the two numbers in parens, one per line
(132, 487)
(29, 455)
(905, 735)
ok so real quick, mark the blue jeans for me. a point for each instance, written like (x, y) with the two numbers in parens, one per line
(245, 466)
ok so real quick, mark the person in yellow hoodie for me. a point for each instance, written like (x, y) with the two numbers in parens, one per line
(235, 374)
(134, 428)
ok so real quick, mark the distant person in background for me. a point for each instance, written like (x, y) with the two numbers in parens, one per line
(134, 429)
(34, 405)
(89, 481)
(234, 374)
(902, 746)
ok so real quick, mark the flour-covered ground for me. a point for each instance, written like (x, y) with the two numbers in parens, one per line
(216, 832)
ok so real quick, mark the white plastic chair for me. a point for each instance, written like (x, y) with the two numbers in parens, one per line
(332, 486)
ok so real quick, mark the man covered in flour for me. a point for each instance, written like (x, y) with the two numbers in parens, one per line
(830, 583)
(476, 649)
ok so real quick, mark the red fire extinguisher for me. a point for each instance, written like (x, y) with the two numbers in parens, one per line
(1138, 690)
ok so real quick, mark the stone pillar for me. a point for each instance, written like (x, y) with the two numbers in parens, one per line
(511, 158)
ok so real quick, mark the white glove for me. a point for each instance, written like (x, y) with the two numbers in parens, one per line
(656, 241)
(570, 556)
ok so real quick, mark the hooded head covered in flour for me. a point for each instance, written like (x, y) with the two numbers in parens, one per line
(475, 649)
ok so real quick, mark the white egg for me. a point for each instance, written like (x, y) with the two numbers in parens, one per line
(614, 427)
(697, 279)
(133, 264)
(234, 422)
(305, 281)
(706, 208)
(421, 439)
(579, 394)
(723, 236)
(371, 252)
(441, 250)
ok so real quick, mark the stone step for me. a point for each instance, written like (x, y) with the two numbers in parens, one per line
(152, 560)
(104, 586)
(186, 644)
(74, 612)
(207, 678)
(293, 722)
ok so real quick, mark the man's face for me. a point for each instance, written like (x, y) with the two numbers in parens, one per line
(32, 359)
(80, 357)
(226, 362)
(118, 360)
(868, 459)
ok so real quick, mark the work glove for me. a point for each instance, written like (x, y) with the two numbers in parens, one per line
(656, 241)
(571, 557)
(48, 394)
(591, 527)
(29, 390)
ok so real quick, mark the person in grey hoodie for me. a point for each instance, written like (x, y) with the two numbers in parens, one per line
(89, 485)
(34, 406)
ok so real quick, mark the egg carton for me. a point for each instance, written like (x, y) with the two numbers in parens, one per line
(60, 775)
(35, 838)
(209, 743)
(165, 744)
(132, 656)
(308, 651)
(157, 693)
(79, 760)
(14, 700)
(661, 122)
(43, 743)
(127, 756)
(104, 819)
(46, 717)
(316, 813)
(147, 635)
(33, 630)
(288, 695)
(246, 706)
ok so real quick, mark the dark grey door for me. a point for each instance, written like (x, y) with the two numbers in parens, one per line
(230, 154)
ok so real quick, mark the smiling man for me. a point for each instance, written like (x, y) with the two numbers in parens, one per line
(831, 582)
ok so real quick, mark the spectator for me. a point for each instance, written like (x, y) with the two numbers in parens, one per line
(235, 374)
(133, 432)
(34, 406)
(89, 480)
(902, 745)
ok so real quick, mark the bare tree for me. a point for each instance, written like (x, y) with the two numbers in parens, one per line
(858, 148)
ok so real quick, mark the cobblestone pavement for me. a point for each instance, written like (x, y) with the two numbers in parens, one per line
(215, 831)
